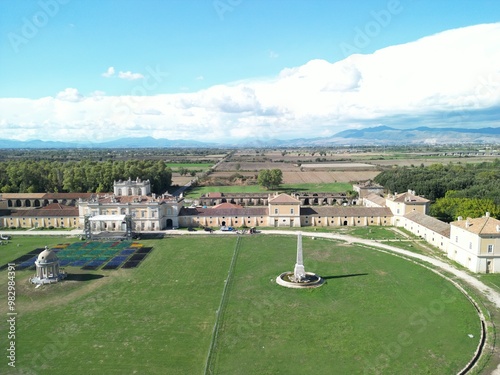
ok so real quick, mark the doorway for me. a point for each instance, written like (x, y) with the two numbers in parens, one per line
(489, 266)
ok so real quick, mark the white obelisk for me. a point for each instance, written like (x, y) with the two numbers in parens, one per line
(299, 272)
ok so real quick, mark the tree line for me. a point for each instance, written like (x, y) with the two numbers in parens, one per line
(467, 190)
(28, 176)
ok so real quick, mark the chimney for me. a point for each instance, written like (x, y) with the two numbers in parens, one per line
(460, 218)
(487, 214)
(467, 223)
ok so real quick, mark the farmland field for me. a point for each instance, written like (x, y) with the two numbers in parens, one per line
(179, 180)
(377, 313)
(190, 166)
(318, 177)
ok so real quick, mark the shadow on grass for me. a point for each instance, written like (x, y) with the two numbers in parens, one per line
(342, 276)
(83, 276)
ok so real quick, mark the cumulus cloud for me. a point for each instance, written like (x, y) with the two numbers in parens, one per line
(130, 76)
(109, 73)
(451, 79)
(69, 95)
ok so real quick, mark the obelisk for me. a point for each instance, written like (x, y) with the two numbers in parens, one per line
(299, 272)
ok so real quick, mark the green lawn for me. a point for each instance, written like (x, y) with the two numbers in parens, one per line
(376, 312)
(372, 232)
(196, 192)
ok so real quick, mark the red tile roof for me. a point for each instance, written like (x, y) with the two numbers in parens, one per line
(227, 205)
(63, 211)
(482, 225)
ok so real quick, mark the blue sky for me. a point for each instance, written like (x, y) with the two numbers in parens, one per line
(111, 51)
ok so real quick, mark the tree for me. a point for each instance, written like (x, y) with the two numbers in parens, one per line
(270, 178)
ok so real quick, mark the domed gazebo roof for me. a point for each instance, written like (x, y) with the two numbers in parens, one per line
(47, 256)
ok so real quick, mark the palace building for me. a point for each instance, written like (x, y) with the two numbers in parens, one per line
(148, 211)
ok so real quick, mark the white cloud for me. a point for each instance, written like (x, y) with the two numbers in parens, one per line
(130, 76)
(148, 111)
(69, 95)
(448, 79)
(109, 73)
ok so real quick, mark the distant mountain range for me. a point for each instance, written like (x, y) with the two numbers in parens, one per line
(143, 142)
(380, 135)
(384, 135)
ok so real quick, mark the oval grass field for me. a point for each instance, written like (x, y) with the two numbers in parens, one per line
(376, 314)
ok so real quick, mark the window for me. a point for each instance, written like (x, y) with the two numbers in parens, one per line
(143, 214)
(470, 245)
(291, 211)
(275, 210)
(456, 239)
(490, 249)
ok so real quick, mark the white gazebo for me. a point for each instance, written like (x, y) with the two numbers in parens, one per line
(47, 268)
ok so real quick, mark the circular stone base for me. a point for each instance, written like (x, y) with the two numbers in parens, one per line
(311, 281)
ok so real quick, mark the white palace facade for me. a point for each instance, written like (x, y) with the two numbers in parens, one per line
(133, 198)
